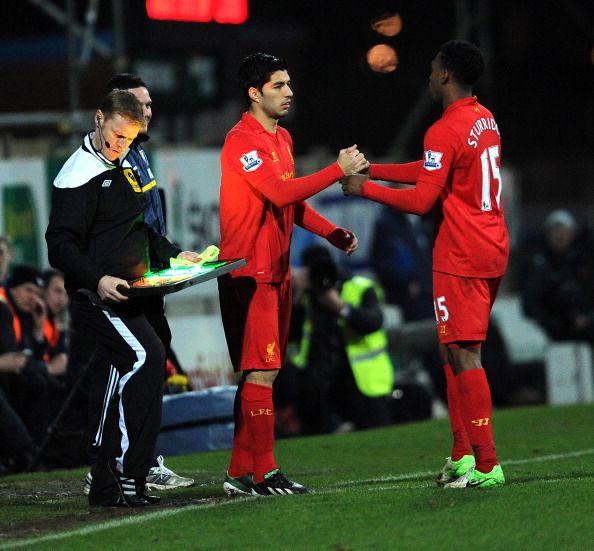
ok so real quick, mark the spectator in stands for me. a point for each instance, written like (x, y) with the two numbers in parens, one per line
(18, 448)
(558, 284)
(401, 259)
(29, 388)
(344, 372)
(6, 257)
(55, 328)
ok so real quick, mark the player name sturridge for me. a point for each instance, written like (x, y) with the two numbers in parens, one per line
(479, 127)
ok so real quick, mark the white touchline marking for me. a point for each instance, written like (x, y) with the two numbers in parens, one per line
(550, 457)
(117, 523)
(164, 513)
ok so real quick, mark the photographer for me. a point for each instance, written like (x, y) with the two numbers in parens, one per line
(344, 375)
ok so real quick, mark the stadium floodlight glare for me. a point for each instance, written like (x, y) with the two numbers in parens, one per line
(382, 58)
(387, 25)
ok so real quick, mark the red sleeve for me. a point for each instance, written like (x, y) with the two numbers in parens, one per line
(310, 219)
(406, 173)
(246, 155)
(431, 174)
(417, 200)
(286, 192)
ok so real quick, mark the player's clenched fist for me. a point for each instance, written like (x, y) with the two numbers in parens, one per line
(352, 161)
(352, 185)
(343, 239)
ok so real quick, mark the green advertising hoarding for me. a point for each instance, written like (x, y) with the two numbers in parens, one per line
(21, 223)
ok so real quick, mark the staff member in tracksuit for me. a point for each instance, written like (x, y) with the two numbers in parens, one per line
(97, 237)
(159, 477)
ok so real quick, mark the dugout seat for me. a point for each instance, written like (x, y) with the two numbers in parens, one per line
(568, 365)
(195, 421)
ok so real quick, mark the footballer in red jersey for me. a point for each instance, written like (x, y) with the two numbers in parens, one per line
(459, 175)
(260, 201)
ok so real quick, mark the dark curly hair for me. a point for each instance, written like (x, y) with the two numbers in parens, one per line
(463, 60)
(255, 70)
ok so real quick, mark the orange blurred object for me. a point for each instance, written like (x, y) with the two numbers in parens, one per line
(382, 58)
(390, 25)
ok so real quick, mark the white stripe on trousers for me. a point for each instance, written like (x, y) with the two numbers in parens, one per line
(140, 352)
(109, 392)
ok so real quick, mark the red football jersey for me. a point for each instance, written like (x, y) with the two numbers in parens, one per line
(461, 155)
(260, 200)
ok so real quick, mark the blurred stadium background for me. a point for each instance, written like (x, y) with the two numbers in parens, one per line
(57, 55)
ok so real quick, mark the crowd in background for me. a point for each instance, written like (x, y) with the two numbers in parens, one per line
(38, 370)
(33, 357)
(555, 284)
(44, 376)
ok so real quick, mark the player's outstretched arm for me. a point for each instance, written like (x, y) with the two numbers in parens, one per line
(407, 173)
(417, 200)
(350, 161)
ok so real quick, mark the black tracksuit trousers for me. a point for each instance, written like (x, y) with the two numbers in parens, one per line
(133, 397)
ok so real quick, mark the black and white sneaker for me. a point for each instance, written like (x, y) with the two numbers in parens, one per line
(158, 478)
(124, 492)
(87, 483)
(275, 483)
(117, 500)
(162, 478)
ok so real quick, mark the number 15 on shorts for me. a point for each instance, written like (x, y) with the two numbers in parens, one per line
(441, 310)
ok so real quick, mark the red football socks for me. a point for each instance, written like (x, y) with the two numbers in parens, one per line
(461, 444)
(241, 456)
(475, 409)
(258, 415)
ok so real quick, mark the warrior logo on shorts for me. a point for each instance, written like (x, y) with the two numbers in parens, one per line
(250, 161)
(432, 160)
(271, 352)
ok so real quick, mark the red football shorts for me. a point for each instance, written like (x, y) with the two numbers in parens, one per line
(462, 306)
(256, 319)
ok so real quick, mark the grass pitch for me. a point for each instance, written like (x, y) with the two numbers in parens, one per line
(370, 490)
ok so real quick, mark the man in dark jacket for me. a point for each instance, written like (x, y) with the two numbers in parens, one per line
(97, 237)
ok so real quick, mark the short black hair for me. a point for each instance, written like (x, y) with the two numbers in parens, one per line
(463, 60)
(25, 273)
(255, 70)
(124, 81)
